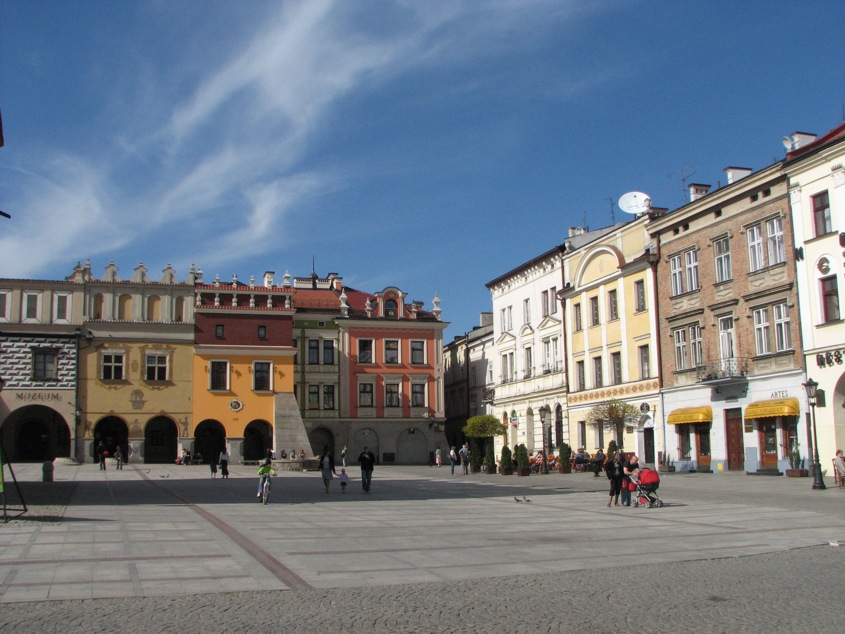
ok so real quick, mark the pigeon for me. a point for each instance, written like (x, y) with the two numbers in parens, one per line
(164, 476)
(525, 499)
(516, 499)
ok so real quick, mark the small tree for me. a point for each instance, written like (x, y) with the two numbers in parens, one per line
(490, 454)
(565, 452)
(522, 457)
(611, 448)
(507, 461)
(484, 426)
(614, 416)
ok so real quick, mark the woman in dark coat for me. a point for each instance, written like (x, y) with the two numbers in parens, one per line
(614, 475)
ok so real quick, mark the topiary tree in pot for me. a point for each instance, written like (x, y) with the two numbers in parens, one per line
(522, 463)
(490, 456)
(506, 464)
(478, 427)
(564, 454)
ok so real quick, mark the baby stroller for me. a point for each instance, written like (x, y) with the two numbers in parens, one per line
(645, 493)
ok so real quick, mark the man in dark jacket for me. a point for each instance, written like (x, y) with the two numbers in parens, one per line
(367, 461)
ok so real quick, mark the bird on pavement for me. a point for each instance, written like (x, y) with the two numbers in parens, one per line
(516, 499)
(525, 499)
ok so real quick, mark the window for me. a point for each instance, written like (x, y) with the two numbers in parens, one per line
(391, 351)
(755, 248)
(544, 303)
(391, 395)
(262, 332)
(576, 316)
(313, 397)
(528, 361)
(550, 354)
(417, 394)
(113, 366)
(328, 397)
(580, 376)
(506, 319)
(722, 248)
(313, 351)
(219, 331)
(391, 309)
(676, 275)
(597, 372)
(328, 352)
(526, 311)
(594, 311)
(365, 351)
(612, 305)
(418, 352)
(507, 367)
(45, 364)
(261, 374)
(783, 335)
(830, 299)
(691, 264)
(156, 369)
(219, 375)
(726, 340)
(821, 214)
(645, 371)
(553, 300)
(683, 442)
(639, 295)
(365, 395)
(489, 373)
(774, 241)
(616, 367)
(5, 306)
(61, 308)
(761, 330)
(696, 352)
(680, 339)
(31, 307)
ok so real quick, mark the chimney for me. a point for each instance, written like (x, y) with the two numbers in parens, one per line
(697, 190)
(577, 231)
(268, 279)
(798, 140)
(736, 173)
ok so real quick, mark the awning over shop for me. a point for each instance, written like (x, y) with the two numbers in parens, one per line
(688, 415)
(769, 409)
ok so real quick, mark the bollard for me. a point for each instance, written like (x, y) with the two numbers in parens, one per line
(47, 471)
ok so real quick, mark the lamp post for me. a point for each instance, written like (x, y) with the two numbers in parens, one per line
(545, 422)
(818, 481)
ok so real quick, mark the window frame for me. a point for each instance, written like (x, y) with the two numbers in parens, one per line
(390, 352)
(829, 296)
(366, 389)
(268, 373)
(691, 270)
(754, 238)
(722, 249)
(328, 397)
(576, 317)
(679, 339)
(44, 364)
(393, 394)
(157, 366)
(783, 332)
(598, 372)
(641, 305)
(645, 361)
(762, 330)
(217, 369)
(616, 367)
(418, 390)
(113, 364)
(418, 350)
(775, 247)
(5, 306)
(526, 310)
(822, 212)
(612, 304)
(581, 375)
(676, 275)
(313, 352)
(68, 297)
(313, 399)
(366, 345)
(328, 352)
(25, 306)
(595, 313)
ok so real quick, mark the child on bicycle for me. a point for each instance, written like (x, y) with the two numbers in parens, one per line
(264, 472)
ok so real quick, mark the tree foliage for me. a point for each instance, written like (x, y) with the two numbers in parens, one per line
(484, 426)
(614, 416)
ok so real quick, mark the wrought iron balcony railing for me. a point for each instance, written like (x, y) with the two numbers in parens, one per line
(723, 369)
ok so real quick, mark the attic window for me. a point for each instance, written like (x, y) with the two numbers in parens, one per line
(390, 309)
(717, 213)
(754, 197)
(767, 193)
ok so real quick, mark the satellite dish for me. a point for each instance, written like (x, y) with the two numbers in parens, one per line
(787, 143)
(635, 202)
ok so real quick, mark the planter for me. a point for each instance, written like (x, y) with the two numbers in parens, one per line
(666, 468)
(796, 473)
(474, 468)
(523, 471)
(565, 468)
(506, 471)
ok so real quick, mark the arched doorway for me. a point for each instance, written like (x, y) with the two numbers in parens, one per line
(412, 447)
(209, 439)
(364, 438)
(319, 438)
(258, 438)
(161, 441)
(36, 433)
(111, 431)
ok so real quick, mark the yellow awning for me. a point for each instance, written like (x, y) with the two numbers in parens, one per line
(778, 407)
(687, 415)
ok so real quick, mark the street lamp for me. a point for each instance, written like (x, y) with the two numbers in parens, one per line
(818, 481)
(546, 424)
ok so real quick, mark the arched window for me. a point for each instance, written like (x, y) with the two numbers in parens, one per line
(390, 309)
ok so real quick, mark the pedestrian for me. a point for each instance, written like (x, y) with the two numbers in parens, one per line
(302, 454)
(224, 464)
(118, 455)
(270, 454)
(101, 455)
(437, 458)
(614, 475)
(344, 480)
(464, 455)
(264, 472)
(212, 464)
(343, 455)
(630, 469)
(598, 462)
(453, 459)
(293, 454)
(327, 466)
(367, 460)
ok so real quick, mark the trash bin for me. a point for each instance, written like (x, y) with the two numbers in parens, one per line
(47, 471)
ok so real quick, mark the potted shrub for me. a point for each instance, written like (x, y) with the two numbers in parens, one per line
(477, 427)
(506, 465)
(564, 455)
(476, 457)
(523, 465)
(490, 456)
(667, 465)
(796, 463)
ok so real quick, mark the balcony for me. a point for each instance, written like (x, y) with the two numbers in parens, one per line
(723, 371)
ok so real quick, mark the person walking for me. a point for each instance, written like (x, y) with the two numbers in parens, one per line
(453, 459)
(327, 466)
(614, 476)
(212, 464)
(464, 455)
(630, 468)
(344, 480)
(367, 460)
(223, 458)
(343, 455)
(118, 455)
(101, 455)
(437, 458)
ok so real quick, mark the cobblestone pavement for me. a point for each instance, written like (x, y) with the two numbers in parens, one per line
(160, 547)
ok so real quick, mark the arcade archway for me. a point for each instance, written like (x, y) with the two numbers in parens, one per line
(258, 438)
(112, 432)
(36, 433)
(209, 439)
(412, 447)
(161, 441)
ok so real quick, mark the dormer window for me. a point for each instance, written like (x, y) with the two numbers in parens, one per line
(390, 309)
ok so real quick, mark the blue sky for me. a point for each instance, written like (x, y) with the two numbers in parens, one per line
(423, 144)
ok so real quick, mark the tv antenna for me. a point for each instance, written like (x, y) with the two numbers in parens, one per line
(685, 176)
(612, 217)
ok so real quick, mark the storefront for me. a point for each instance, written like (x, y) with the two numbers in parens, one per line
(692, 426)
(775, 423)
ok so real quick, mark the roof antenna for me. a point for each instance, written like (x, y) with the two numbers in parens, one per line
(612, 217)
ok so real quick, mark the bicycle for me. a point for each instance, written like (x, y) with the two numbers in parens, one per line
(265, 489)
